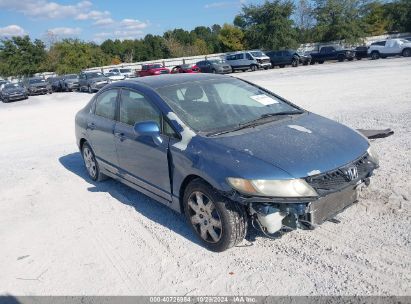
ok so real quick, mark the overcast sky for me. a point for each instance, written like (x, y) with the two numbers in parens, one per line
(103, 19)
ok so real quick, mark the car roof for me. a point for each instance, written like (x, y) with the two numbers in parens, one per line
(160, 81)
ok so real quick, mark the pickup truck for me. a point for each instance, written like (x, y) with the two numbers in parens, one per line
(332, 53)
(152, 70)
(391, 47)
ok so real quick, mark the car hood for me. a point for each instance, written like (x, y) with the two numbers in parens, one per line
(302, 145)
(39, 84)
(98, 79)
(14, 90)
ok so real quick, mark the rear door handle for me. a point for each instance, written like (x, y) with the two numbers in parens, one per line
(91, 126)
(120, 136)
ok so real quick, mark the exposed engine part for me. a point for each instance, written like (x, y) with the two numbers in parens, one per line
(268, 217)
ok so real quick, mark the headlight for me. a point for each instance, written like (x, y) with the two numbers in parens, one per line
(275, 188)
(373, 156)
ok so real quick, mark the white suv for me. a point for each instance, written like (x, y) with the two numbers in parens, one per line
(128, 73)
(391, 47)
(245, 60)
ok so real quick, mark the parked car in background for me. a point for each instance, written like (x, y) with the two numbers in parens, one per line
(327, 53)
(288, 57)
(153, 69)
(185, 68)
(92, 81)
(3, 82)
(71, 82)
(216, 66)
(37, 86)
(128, 73)
(114, 76)
(246, 60)
(12, 91)
(391, 47)
(57, 83)
(224, 152)
(361, 52)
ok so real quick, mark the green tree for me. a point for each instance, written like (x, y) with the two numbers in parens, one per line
(398, 15)
(268, 26)
(375, 20)
(74, 55)
(339, 20)
(20, 56)
(231, 38)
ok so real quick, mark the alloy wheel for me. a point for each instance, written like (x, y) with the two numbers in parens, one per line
(90, 162)
(205, 217)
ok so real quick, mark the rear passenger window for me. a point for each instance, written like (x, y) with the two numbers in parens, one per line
(239, 56)
(106, 104)
(135, 108)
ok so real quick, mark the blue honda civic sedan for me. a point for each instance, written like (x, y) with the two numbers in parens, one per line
(225, 152)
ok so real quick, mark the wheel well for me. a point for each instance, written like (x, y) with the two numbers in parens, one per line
(406, 49)
(183, 187)
(82, 141)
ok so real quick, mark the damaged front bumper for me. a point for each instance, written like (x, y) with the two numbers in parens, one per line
(337, 191)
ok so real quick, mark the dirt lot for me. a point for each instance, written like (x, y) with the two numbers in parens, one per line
(61, 234)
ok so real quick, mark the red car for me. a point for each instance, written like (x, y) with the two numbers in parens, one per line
(153, 70)
(185, 68)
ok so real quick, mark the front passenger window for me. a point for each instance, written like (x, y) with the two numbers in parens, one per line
(106, 104)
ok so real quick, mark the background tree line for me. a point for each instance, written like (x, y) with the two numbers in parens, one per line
(276, 24)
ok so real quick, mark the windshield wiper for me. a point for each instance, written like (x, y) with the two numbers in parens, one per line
(255, 122)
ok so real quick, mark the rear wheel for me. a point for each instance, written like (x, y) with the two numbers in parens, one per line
(295, 63)
(218, 222)
(253, 68)
(91, 164)
(341, 58)
(406, 53)
(282, 66)
(375, 55)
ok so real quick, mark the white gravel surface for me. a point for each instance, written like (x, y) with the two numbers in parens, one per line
(61, 234)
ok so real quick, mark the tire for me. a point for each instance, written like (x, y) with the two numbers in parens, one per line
(321, 61)
(406, 53)
(375, 55)
(341, 58)
(218, 222)
(282, 66)
(89, 90)
(295, 63)
(350, 59)
(213, 71)
(91, 164)
(253, 68)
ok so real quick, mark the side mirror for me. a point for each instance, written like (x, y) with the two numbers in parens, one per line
(149, 128)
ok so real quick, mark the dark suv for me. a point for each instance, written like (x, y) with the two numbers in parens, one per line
(92, 81)
(288, 57)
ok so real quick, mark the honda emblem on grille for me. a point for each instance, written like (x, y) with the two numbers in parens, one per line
(351, 173)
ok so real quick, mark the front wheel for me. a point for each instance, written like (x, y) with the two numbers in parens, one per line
(406, 53)
(218, 222)
(295, 63)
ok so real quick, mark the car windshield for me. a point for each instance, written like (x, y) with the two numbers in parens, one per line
(74, 76)
(125, 70)
(218, 61)
(257, 54)
(95, 75)
(156, 66)
(223, 104)
(11, 86)
(36, 80)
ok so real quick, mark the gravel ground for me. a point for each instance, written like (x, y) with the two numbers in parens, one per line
(61, 234)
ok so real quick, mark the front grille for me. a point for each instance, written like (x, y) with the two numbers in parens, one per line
(338, 179)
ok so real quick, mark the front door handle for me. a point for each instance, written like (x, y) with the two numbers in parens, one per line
(91, 126)
(120, 136)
